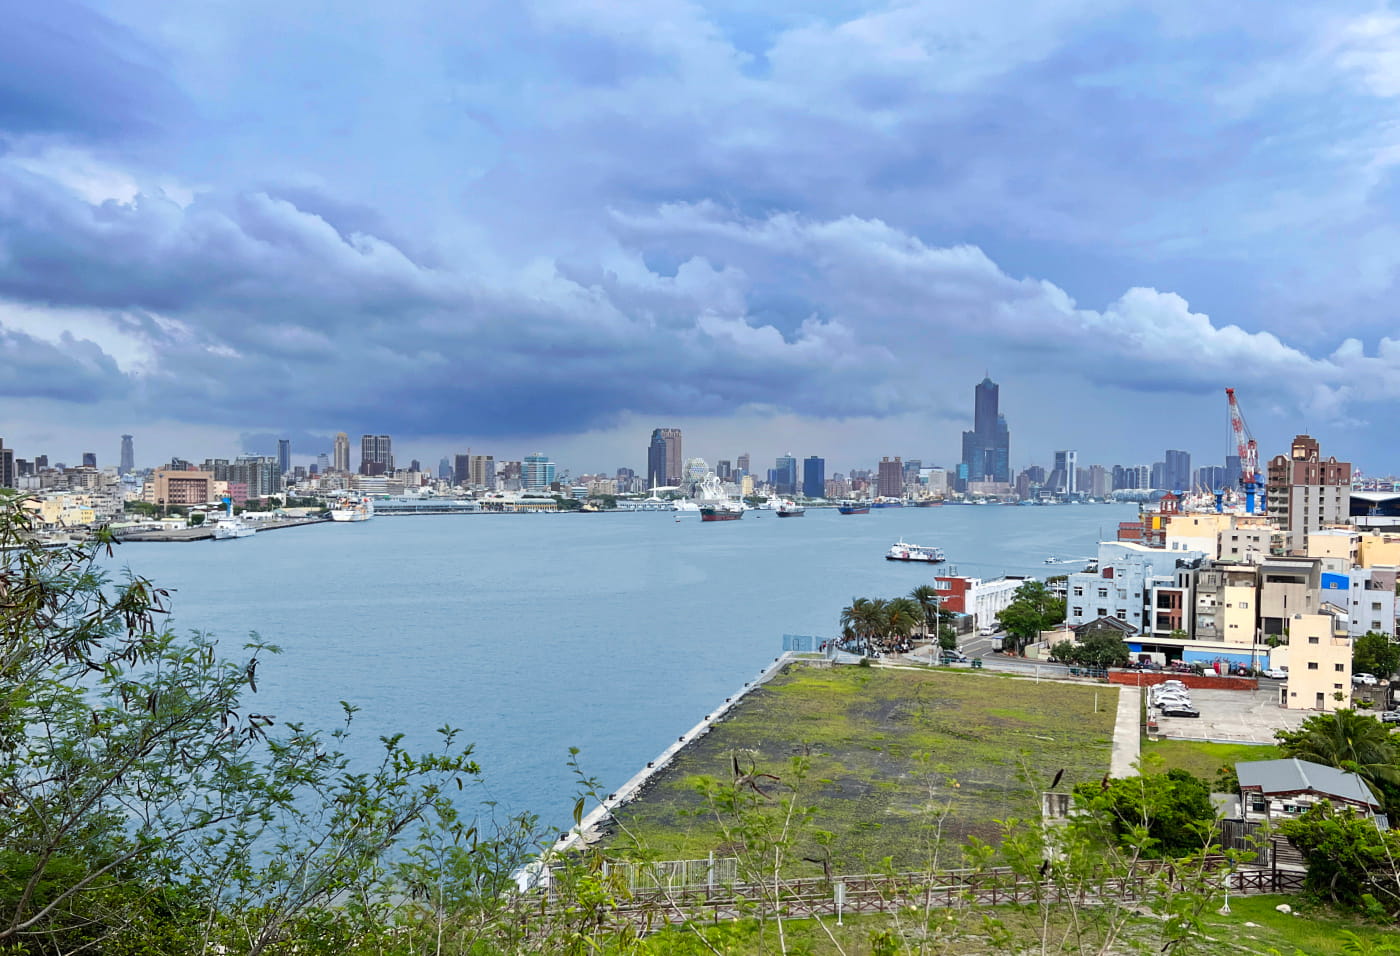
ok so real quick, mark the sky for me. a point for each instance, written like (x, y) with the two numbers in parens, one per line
(554, 225)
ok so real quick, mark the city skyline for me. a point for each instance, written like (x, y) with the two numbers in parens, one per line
(779, 229)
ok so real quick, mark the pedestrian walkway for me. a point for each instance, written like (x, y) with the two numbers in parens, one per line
(1127, 733)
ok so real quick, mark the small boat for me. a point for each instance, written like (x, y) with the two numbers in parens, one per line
(790, 509)
(850, 508)
(903, 551)
(229, 526)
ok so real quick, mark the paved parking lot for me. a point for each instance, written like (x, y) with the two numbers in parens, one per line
(1234, 715)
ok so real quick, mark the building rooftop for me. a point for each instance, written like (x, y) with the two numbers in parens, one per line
(1292, 775)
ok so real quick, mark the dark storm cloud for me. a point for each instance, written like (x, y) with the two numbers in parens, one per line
(444, 219)
(66, 69)
(73, 370)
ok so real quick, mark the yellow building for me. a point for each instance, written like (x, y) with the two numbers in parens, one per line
(1378, 549)
(1318, 658)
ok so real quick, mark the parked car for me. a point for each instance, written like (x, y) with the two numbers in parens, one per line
(1277, 673)
(1176, 701)
(1180, 710)
(1367, 679)
(952, 657)
(1390, 717)
(1173, 684)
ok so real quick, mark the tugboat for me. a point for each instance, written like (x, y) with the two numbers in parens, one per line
(901, 551)
(790, 509)
(851, 508)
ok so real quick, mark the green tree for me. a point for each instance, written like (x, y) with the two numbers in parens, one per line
(927, 597)
(1350, 860)
(1373, 653)
(1033, 609)
(1172, 808)
(1352, 741)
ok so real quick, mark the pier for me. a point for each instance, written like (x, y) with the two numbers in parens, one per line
(206, 533)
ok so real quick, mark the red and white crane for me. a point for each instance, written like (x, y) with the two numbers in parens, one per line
(1247, 451)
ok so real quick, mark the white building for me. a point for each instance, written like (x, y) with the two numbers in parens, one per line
(1120, 587)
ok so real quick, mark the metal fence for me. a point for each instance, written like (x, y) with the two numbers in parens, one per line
(713, 872)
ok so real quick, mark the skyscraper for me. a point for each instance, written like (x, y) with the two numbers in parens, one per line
(537, 471)
(664, 457)
(742, 464)
(987, 448)
(340, 454)
(1177, 475)
(462, 468)
(7, 466)
(284, 455)
(128, 460)
(1064, 479)
(785, 475)
(814, 477)
(376, 455)
(89, 459)
(890, 482)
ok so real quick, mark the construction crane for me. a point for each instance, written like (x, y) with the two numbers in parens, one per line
(1248, 453)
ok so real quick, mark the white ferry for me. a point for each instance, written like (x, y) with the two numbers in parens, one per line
(903, 551)
(353, 509)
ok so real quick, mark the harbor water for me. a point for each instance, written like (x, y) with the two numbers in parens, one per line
(612, 633)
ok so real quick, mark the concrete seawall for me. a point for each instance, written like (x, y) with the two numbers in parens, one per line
(587, 828)
(202, 533)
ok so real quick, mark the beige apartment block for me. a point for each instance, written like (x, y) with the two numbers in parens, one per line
(1226, 600)
(1338, 548)
(183, 488)
(1318, 657)
(1197, 532)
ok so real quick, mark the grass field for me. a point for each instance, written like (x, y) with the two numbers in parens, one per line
(1204, 759)
(888, 750)
(1253, 927)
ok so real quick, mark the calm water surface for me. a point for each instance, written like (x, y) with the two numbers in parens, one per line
(613, 633)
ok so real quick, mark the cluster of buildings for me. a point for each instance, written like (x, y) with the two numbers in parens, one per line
(1290, 587)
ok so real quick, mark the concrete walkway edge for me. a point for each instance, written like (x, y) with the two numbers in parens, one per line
(1127, 735)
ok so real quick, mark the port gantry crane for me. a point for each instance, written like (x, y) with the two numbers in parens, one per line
(1248, 453)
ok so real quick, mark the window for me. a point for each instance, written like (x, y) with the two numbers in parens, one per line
(1312, 640)
(1079, 612)
(1078, 591)
(1375, 605)
(1122, 614)
(1339, 667)
(1312, 665)
(1245, 605)
(1336, 686)
(1103, 612)
(1103, 592)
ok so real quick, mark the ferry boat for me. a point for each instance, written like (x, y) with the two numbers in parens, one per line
(851, 508)
(353, 509)
(228, 526)
(790, 509)
(903, 551)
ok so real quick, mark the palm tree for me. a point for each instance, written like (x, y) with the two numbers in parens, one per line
(1347, 740)
(902, 617)
(927, 596)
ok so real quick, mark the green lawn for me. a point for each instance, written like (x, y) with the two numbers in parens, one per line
(888, 751)
(1315, 931)
(1204, 759)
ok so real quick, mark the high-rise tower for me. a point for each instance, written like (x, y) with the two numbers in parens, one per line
(284, 455)
(340, 458)
(987, 448)
(664, 457)
(128, 459)
(376, 455)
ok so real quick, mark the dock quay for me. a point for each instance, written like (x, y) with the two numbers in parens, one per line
(202, 533)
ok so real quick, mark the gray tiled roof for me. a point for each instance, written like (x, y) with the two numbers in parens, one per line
(1292, 774)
